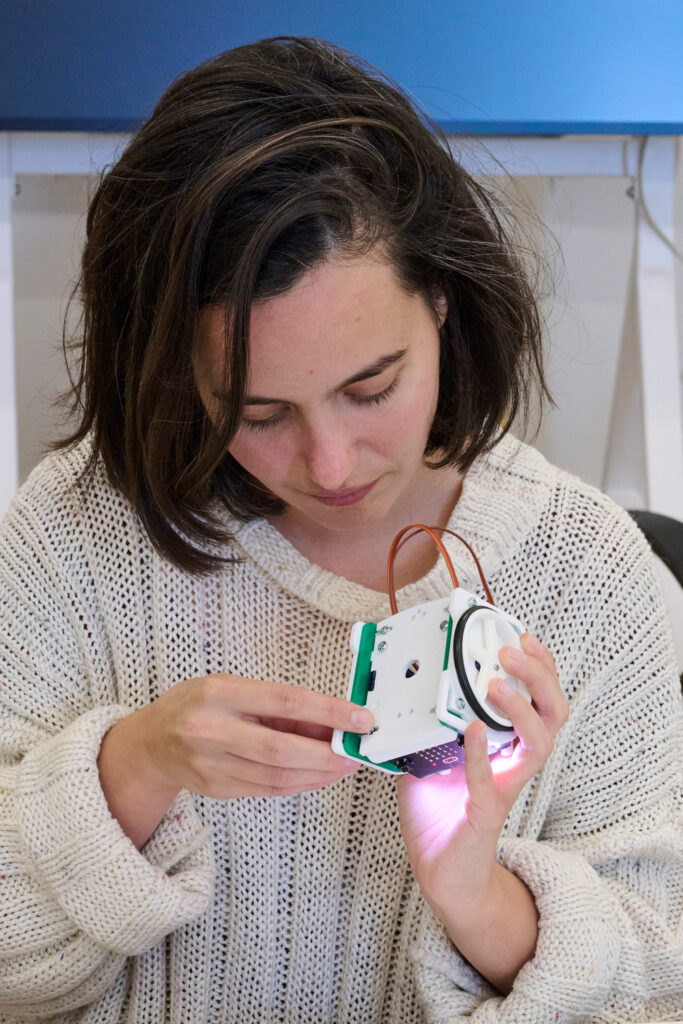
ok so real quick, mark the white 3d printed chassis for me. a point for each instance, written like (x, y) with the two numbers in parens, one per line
(424, 673)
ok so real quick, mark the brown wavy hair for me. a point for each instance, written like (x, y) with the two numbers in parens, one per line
(254, 167)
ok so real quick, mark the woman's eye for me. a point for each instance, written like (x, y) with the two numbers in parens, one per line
(271, 421)
(378, 396)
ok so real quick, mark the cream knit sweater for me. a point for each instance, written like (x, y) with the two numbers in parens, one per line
(303, 909)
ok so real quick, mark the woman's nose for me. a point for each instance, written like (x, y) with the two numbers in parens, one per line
(332, 457)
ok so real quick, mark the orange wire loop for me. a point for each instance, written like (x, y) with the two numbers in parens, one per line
(401, 538)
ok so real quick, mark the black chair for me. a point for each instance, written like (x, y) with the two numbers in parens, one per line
(665, 537)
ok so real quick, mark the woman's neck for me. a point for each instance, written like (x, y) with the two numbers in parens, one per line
(360, 555)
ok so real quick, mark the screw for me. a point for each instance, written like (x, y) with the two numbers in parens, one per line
(631, 192)
(384, 630)
(496, 668)
(460, 704)
(472, 602)
(444, 626)
(382, 645)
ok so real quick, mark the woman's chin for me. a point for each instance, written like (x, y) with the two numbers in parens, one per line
(370, 511)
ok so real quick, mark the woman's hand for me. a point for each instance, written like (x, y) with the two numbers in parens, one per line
(224, 736)
(451, 823)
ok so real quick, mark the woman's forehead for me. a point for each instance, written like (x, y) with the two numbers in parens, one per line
(338, 311)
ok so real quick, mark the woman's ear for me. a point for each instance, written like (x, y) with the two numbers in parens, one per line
(441, 306)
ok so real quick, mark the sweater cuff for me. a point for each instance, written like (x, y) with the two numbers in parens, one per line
(178, 836)
(448, 986)
(120, 897)
(579, 945)
(574, 963)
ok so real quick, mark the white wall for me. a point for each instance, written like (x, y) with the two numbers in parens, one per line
(48, 222)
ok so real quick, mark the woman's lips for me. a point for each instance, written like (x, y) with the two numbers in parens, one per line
(345, 497)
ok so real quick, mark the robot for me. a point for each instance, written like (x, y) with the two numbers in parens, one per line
(424, 673)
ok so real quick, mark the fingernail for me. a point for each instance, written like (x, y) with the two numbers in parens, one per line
(532, 643)
(504, 688)
(362, 721)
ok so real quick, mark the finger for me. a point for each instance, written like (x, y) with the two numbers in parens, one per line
(316, 732)
(478, 773)
(255, 742)
(535, 738)
(295, 703)
(240, 789)
(275, 777)
(533, 647)
(542, 684)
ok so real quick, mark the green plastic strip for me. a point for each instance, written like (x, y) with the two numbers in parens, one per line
(447, 651)
(359, 695)
(449, 725)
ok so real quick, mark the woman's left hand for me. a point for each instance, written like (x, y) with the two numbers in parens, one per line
(451, 823)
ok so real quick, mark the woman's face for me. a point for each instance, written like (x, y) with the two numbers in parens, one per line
(342, 390)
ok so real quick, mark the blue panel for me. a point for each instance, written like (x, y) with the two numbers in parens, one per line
(481, 66)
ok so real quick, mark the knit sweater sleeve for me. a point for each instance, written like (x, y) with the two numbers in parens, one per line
(78, 898)
(602, 852)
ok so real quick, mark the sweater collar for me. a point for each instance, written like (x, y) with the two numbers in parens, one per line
(501, 500)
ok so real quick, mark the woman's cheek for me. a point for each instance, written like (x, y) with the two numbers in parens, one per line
(394, 434)
(407, 429)
(260, 453)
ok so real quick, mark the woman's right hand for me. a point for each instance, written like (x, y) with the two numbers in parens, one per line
(224, 736)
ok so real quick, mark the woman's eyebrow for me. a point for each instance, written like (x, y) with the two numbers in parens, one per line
(373, 370)
(383, 363)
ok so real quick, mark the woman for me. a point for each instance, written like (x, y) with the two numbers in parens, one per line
(304, 325)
